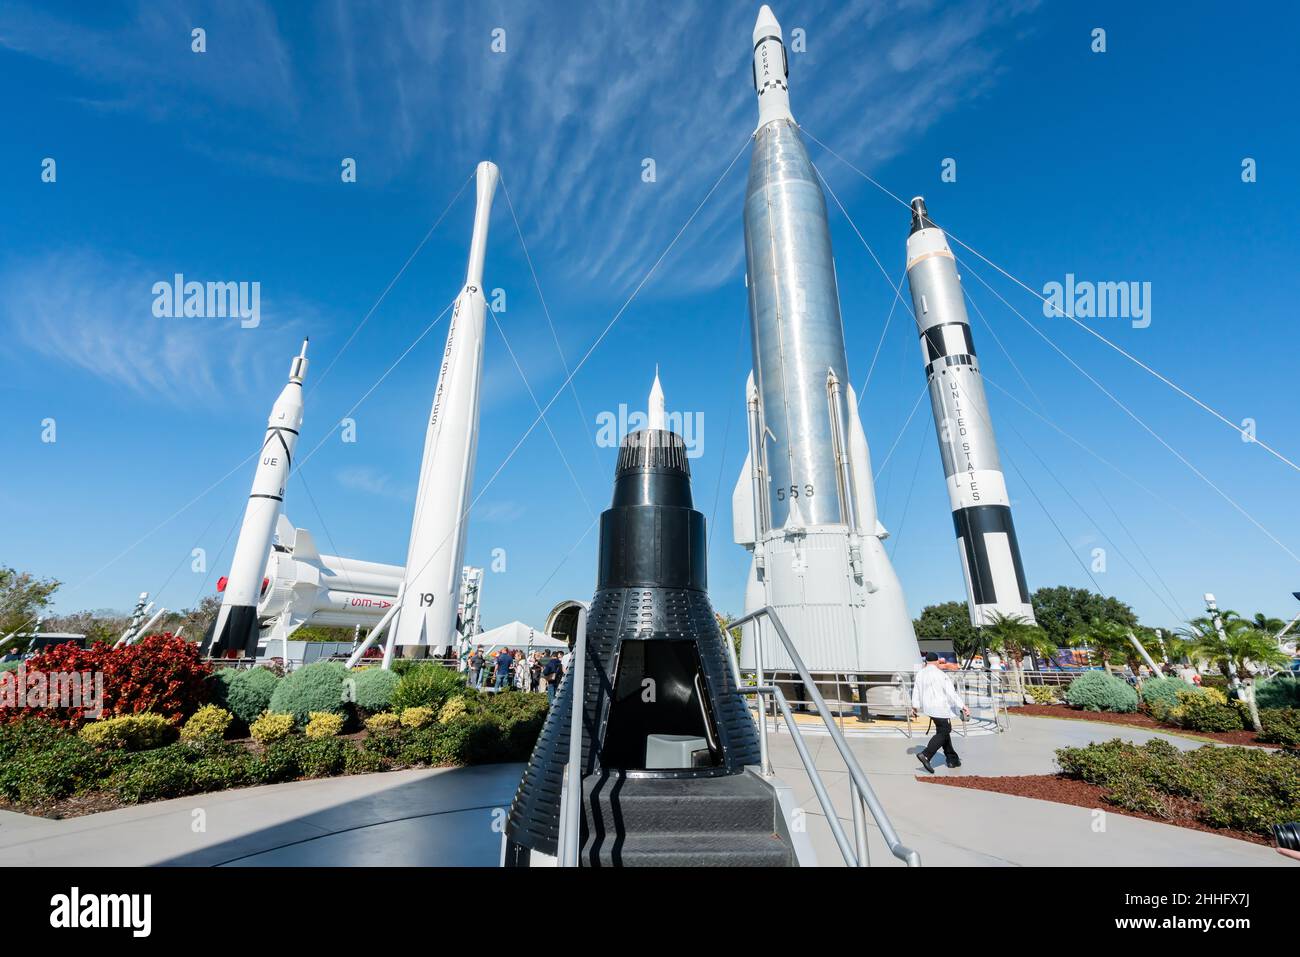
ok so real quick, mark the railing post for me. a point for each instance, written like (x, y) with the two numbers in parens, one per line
(577, 702)
(763, 756)
(859, 824)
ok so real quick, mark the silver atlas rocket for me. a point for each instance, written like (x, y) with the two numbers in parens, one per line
(805, 501)
(236, 625)
(431, 587)
(977, 491)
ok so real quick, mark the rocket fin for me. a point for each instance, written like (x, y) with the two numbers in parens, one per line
(742, 507)
(864, 486)
(285, 533)
(304, 546)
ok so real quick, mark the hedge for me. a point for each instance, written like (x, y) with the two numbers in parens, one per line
(1098, 691)
(1163, 690)
(41, 762)
(1247, 789)
(315, 687)
(373, 689)
(244, 692)
(1279, 691)
(428, 686)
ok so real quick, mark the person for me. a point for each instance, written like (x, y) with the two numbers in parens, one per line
(552, 672)
(504, 658)
(476, 668)
(934, 695)
(521, 671)
(535, 671)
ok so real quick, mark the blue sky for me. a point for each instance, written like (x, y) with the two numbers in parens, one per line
(225, 165)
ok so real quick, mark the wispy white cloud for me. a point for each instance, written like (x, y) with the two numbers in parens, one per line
(95, 316)
(571, 108)
(372, 481)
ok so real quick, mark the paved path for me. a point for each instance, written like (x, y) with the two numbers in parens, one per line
(964, 827)
(431, 817)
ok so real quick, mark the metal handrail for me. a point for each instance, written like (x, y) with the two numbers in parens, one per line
(860, 788)
(571, 797)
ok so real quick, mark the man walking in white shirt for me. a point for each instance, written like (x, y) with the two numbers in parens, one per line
(934, 696)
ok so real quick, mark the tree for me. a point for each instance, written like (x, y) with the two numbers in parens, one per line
(1013, 637)
(1065, 612)
(725, 623)
(1240, 645)
(1264, 623)
(23, 599)
(1109, 642)
(951, 621)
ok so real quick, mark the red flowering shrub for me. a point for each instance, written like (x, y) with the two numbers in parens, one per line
(162, 674)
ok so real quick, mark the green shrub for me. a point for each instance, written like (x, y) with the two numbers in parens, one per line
(315, 687)
(373, 689)
(323, 724)
(1098, 691)
(1207, 711)
(417, 717)
(1162, 689)
(453, 709)
(54, 767)
(427, 686)
(1042, 694)
(383, 723)
(279, 762)
(1279, 691)
(131, 732)
(357, 761)
(155, 776)
(322, 757)
(1232, 787)
(209, 721)
(10, 666)
(271, 727)
(1281, 726)
(246, 693)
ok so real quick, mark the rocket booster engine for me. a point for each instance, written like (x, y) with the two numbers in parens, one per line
(805, 502)
(977, 490)
(236, 626)
(427, 616)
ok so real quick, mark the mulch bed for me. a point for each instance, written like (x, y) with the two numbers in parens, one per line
(1137, 719)
(1063, 790)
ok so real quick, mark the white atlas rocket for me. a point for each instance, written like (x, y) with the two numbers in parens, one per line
(430, 591)
(236, 625)
(805, 501)
(977, 490)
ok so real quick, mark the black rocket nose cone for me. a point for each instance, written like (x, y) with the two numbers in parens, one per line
(920, 216)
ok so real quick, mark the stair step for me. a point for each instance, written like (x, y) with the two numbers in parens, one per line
(735, 803)
(692, 849)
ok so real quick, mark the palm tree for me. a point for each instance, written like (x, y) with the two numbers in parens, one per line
(1013, 636)
(1266, 624)
(1108, 641)
(1240, 644)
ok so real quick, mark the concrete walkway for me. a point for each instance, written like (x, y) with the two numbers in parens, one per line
(965, 827)
(427, 817)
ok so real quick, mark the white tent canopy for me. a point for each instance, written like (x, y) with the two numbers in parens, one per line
(516, 635)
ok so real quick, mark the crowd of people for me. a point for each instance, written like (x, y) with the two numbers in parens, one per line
(507, 668)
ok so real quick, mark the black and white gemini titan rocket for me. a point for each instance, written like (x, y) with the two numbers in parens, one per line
(977, 491)
(236, 626)
(805, 501)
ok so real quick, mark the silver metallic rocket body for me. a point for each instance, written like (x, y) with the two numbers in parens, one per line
(805, 502)
(977, 490)
(795, 323)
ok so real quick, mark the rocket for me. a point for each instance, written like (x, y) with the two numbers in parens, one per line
(236, 625)
(434, 555)
(805, 502)
(651, 626)
(977, 490)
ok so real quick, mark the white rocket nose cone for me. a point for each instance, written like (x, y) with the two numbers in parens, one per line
(657, 419)
(766, 25)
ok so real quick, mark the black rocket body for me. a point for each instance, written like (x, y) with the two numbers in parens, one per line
(659, 700)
